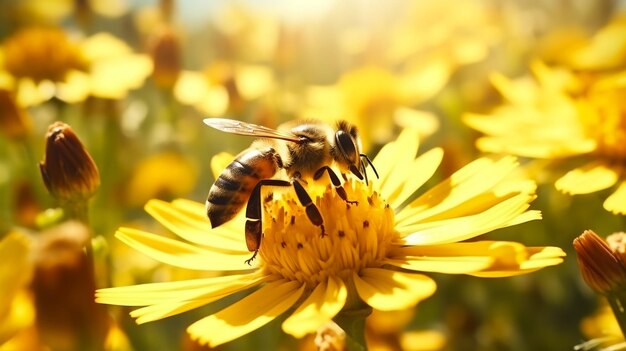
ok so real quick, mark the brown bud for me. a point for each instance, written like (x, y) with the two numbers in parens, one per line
(602, 268)
(165, 52)
(63, 287)
(68, 170)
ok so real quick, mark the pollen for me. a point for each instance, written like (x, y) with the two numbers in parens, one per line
(356, 236)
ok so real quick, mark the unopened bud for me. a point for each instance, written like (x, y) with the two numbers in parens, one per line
(63, 287)
(165, 52)
(68, 170)
(601, 267)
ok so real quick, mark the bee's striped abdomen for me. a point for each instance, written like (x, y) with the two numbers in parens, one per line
(232, 188)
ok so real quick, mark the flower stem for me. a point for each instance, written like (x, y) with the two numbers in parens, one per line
(353, 324)
(617, 301)
(79, 210)
(352, 319)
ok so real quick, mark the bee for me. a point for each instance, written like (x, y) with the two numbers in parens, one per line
(303, 149)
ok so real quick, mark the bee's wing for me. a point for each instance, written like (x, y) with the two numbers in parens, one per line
(243, 128)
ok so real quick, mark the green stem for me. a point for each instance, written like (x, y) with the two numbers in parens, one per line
(353, 324)
(79, 210)
(352, 319)
(617, 301)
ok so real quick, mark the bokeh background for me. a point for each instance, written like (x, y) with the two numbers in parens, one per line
(135, 78)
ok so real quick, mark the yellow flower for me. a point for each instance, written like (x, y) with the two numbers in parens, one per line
(149, 181)
(41, 63)
(602, 329)
(222, 87)
(375, 100)
(561, 115)
(374, 251)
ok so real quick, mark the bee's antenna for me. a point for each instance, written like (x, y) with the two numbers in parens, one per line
(371, 164)
(364, 171)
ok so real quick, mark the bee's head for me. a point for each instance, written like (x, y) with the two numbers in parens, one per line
(348, 150)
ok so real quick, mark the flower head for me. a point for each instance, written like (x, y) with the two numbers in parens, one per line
(375, 251)
(570, 111)
(39, 63)
(166, 55)
(68, 171)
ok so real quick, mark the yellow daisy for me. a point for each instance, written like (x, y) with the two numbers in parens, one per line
(374, 252)
(560, 115)
(574, 109)
(39, 63)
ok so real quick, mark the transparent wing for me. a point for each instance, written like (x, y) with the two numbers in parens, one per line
(243, 128)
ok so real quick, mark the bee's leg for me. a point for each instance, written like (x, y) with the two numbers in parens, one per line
(254, 226)
(311, 210)
(336, 183)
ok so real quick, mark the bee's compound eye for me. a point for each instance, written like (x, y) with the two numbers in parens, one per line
(346, 145)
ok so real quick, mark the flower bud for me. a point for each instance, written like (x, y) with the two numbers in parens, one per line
(601, 267)
(165, 52)
(63, 287)
(68, 170)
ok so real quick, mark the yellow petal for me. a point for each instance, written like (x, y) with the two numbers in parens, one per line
(505, 213)
(30, 93)
(102, 46)
(400, 153)
(20, 314)
(483, 258)
(616, 203)
(513, 259)
(434, 262)
(424, 122)
(522, 91)
(196, 230)
(76, 87)
(606, 50)
(253, 81)
(417, 173)
(180, 254)
(482, 182)
(423, 79)
(319, 308)
(114, 77)
(587, 179)
(154, 293)
(171, 298)
(536, 147)
(191, 87)
(15, 268)
(215, 102)
(388, 290)
(16, 309)
(247, 314)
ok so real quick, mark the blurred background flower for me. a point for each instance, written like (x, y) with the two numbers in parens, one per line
(134, 79)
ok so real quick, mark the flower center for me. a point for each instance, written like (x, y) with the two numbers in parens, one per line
(604, 116)
(41, 54)
(356, 235)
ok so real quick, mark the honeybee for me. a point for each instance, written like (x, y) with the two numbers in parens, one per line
(303, 149)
